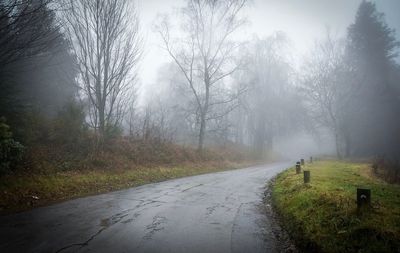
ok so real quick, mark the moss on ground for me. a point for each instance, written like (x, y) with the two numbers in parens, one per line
(322, 216)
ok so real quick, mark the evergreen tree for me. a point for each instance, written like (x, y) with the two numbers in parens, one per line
(40, 77)
(374, 115)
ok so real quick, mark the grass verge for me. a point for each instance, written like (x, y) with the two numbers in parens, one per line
(322, 216)
(25, 191)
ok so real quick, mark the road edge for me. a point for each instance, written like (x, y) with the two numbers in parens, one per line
(284, 243)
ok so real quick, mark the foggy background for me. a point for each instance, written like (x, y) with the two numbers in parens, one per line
(102, 95)
(159, 79)
(303, 22)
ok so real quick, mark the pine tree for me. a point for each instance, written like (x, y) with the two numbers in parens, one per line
(37, 70)
(371, 53)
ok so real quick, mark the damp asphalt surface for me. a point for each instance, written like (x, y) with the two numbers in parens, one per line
(218, 212)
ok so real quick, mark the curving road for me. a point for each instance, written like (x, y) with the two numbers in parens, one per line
(218, 212)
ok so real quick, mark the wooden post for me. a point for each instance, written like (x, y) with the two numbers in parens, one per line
(310, 159)
(306, 176)
(363, 197)
(302, 161)
(298, 168)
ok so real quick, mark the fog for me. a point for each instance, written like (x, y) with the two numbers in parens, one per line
(278, 78)
(199, 125)
(303, 23)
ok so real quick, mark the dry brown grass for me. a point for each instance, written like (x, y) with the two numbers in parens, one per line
(53, 173)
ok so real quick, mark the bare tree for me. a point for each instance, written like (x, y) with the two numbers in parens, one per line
(204, 54)
(324, 86)
(267, 108)
(106, 41)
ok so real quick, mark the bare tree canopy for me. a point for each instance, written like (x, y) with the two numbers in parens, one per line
(323, 85)
(270, 104)
(205, 53)
(107, 44)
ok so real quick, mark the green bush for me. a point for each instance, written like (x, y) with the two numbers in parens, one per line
(10, 150)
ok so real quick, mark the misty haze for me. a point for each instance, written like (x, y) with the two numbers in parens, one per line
(200, 126)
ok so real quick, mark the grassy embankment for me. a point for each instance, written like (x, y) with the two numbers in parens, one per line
(51, 174)
(322, 216)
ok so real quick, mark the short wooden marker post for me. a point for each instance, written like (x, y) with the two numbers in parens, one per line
(298, 168)
(310, 159)
(302, 161)
(363, 198)
(306, 176)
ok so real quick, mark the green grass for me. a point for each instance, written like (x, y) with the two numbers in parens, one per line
(19, 191)
(322, 216)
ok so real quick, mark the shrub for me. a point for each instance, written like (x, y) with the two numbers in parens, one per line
(10, 150)
(387, 168)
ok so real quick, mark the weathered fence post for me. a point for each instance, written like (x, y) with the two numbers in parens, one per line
(310, 159)
(298, 168)
(302, 161)
(306, 176)
(363, 197)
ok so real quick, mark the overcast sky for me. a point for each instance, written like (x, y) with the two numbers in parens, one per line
(302, 20)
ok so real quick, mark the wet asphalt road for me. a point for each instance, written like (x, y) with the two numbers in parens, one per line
(218, 212)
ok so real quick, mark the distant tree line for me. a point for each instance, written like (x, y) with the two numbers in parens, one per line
(352, 86)
(68, 78)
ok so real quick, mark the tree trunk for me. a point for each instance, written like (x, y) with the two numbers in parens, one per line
(202, 131)
(102, 125)
(260, 136)
(204, 109)
(347, 143)
(337, 143)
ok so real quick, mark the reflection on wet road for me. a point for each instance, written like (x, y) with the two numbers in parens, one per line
(219, 212)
